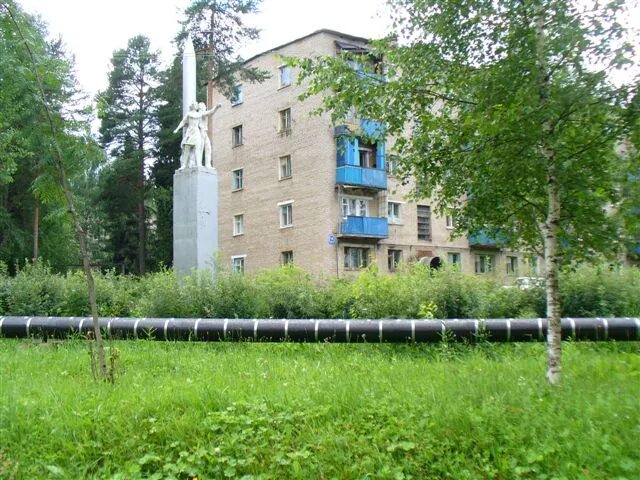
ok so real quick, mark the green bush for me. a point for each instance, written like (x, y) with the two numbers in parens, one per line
(286, 292)
(115, 294)
(35, 291)
(414, 291)
(600, 291)
(236, 296)
(160, 296)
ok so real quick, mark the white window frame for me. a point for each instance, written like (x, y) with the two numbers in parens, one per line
(234, 184)
(391, 165)
(450, 220)
(392, 218)
(489, 264)
(354, 209)
(234, 137)
(450, 258)
(395, 264)
(511, 268)
(237, 96)
(534, 265)
(366, 257)
(287, 78)
(238, 224)
(285, 161)
(369, 152)
(242, 264)
(284, 120)
(286, 214)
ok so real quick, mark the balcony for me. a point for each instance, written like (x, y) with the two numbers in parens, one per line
(484, 240)
(368, 227)
(361, 177)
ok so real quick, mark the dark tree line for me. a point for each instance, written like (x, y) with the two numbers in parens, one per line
(122, 180)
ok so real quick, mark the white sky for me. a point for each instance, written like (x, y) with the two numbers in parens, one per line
(93, 29)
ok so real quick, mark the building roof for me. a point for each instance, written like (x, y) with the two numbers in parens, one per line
(353, 38)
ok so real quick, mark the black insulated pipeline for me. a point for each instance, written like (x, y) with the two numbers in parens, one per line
(340, 331)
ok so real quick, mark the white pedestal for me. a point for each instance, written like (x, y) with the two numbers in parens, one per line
(195, 219)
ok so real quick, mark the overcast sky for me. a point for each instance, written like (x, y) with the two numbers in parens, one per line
(93, 29)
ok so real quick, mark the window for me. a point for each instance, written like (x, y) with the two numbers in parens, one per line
(512, 265)
(355, 206)
(285, 167)
(236, 137)
(453, 258)
(533, 266)
(424, 222)
(237, 96)
(393, 212)
(238, 224)
(287, 257)
(285, 76)
(484, 263)
(367, 156)
(286, 214)
(450, 220)
(392, 164)
(355, 257)
(236, 180)
(237, 264)
(285, 121)
(394, 257)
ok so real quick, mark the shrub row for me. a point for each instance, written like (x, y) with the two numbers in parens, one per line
(289, 292)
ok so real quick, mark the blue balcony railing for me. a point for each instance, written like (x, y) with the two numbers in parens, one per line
(365, 227)
(482, 239)
(362, 177)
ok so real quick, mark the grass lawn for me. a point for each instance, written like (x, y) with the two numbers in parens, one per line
(321, 411)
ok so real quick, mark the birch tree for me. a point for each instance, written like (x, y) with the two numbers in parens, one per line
(512, 119)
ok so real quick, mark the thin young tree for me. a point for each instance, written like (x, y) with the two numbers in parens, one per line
(505, 110)
(67, 148)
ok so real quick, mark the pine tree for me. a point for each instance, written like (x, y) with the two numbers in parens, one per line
(128, 111)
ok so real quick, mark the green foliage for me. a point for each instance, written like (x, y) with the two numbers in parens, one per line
(502, 101)
(600, 292)
(217, 30)
(291, 411)
(288, 292)
(29, 177)
(161, 296)
(128, 110)
(35, 291)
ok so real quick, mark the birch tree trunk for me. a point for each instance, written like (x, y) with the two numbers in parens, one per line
(551, 274)
(553, 212)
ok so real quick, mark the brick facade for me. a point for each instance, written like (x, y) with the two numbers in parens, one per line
(312, 188)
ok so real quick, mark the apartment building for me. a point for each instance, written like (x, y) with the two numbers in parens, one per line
(294, 187)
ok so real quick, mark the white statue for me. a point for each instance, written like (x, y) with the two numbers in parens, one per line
(205, 143)
(192, 139)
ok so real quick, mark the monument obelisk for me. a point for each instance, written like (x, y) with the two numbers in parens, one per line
(195, 187)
